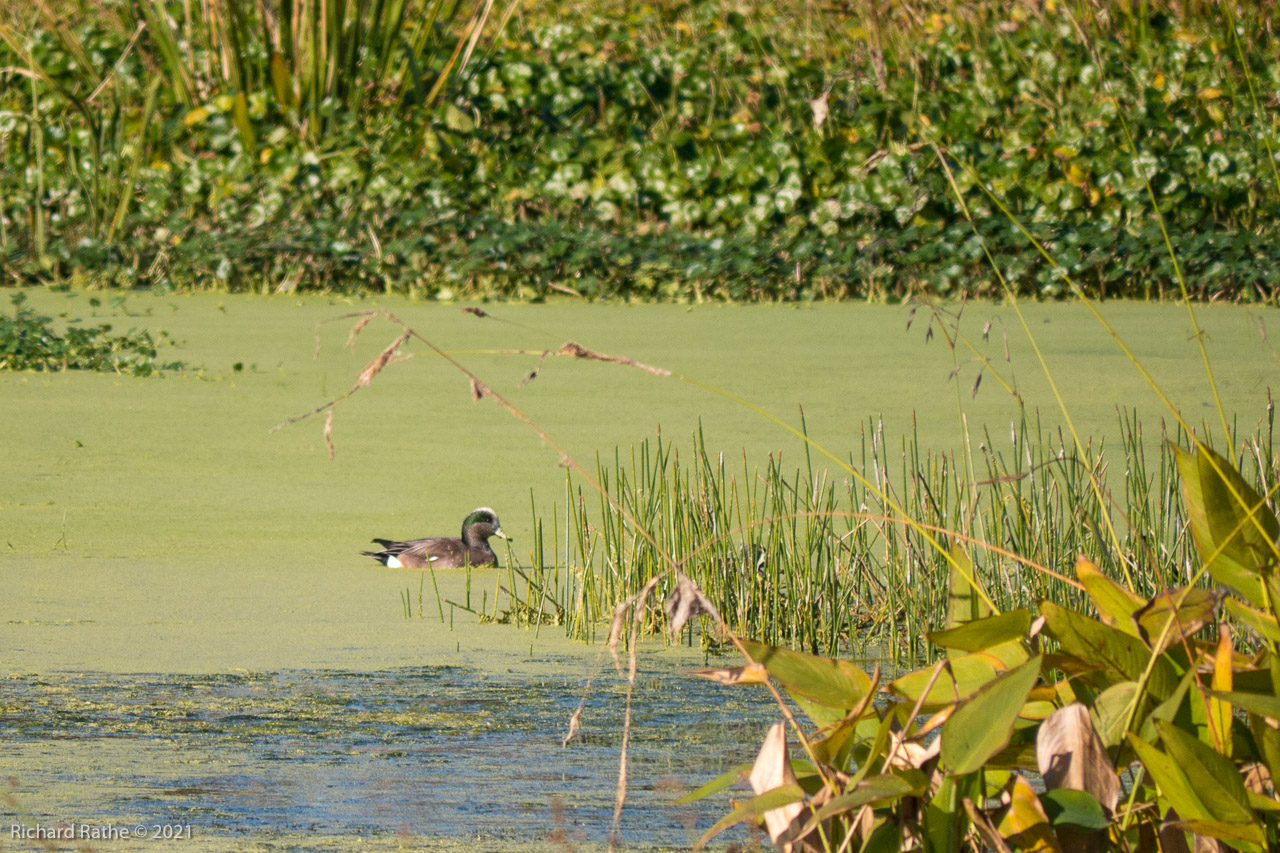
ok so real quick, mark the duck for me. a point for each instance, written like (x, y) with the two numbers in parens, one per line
(445, 552)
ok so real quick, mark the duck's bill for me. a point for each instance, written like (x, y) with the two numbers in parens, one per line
(499, 532)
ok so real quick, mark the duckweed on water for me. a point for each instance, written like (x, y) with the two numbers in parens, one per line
(378, 755)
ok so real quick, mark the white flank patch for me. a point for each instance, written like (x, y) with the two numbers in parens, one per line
(394, 563)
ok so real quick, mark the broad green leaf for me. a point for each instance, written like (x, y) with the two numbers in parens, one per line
(1214, 777)
(1234, 531)
(1264, 623)
(1116, 605)
(1169, 778)
(960, 678)
(718, 784)
(981, 726)
(1078, 809)
(1024, 824)
(1123, 656)
(1240, 836)
(1263, 704)
(829, 682)
(981, 634)
(755, 808)
(1268, 741)
(874, 789)
(1110, 711)
(885, 838)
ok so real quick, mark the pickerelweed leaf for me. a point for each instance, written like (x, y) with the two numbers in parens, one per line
(833, 683)
(982, 725)
(1115, 604)
(1212, 775)
(1078, 809)
(1169, 778)
(1234, 530)
(959, 679)
(1123, 656)
(980, 634)
(1264, 623)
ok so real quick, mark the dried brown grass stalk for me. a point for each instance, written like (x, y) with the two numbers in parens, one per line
(574, 350)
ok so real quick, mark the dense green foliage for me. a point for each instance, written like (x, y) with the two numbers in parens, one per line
(674, 152)
(28, 341)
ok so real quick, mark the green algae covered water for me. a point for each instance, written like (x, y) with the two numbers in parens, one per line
(192, 640)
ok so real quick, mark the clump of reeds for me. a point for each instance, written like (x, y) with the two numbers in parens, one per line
(797, 556)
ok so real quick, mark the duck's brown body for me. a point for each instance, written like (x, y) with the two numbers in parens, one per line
(445, 552)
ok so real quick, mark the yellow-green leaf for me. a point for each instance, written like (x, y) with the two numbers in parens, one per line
(1024, 824)
(1116, 605)
(833, 683)
(1121, 655)
(980, 634)
(960, 678)
(981, 727)
(1234, 531)
(1212, 775)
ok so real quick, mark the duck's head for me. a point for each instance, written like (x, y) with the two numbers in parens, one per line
(480, 525)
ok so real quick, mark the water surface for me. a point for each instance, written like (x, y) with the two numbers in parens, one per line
(191, 635)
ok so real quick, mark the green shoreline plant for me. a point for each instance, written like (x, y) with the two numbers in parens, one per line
(705, 150)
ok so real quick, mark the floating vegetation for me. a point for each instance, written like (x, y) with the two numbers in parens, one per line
(28, 341)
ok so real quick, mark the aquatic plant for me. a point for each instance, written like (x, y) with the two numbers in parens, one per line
(803, 559)
(28, 341)
(942, 758)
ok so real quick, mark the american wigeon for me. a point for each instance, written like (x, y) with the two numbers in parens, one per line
(445, 552)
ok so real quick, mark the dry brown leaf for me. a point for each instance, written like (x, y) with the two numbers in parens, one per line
(384, 358)
(478, 390)
(356, 329)
(772, 769)
(685, 602)
(820, 107)
(574, 350)
(752, 673)
(574, 722)
(1257, 778)
(1070, 755)
(910, 755)
(328, 433)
